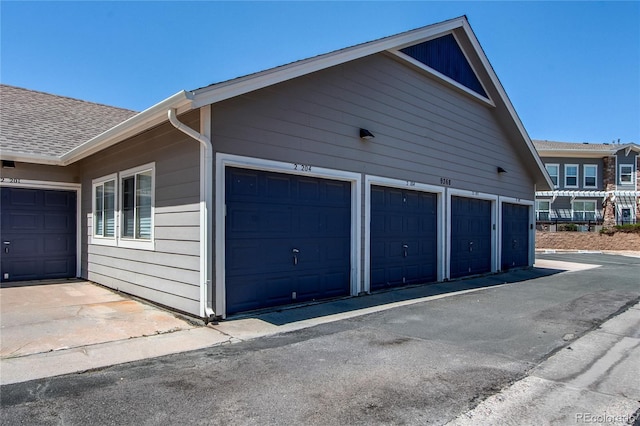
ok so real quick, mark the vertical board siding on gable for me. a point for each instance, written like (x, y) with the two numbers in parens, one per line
(424, 130)
(445, 56)
(169, 275)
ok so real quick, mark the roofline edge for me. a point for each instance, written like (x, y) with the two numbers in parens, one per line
(156, 114)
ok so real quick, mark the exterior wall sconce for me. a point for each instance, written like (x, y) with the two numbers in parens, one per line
(8, 164)
(501, 170)
(365, 134)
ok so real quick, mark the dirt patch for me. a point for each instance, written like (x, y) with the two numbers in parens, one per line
(619, 241)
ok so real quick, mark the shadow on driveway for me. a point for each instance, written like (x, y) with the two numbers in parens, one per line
(291, 314)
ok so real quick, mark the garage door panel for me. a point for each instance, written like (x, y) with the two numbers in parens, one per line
(515, 236)
(338, 193)
(57, 222)
(403, 237)
(277, 187)
(308, 190)
(22, 220)
(23, 270)
(25, 246)
(53, 267)
(24, 198)
(57, 244)
(274, 253)
(470, 236)
(295, 230)
(309, 287)
(242, 183)
(40, 226)
(57, 200)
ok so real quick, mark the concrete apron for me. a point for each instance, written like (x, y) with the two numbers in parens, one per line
(59, 327)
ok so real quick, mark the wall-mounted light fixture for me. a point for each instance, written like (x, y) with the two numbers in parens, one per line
(8, 164)
(501, 170)
(365, 134)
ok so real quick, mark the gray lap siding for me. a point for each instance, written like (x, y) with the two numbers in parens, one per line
(168, 274)
(424, 131)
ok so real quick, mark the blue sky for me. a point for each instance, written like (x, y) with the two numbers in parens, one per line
(571, 69)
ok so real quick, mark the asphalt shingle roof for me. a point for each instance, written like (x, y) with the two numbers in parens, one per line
(40, 123)
(571, 146)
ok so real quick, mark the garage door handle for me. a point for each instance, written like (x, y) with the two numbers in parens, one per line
(470, 245)
(6, 246)
(295, 252)
(405, 249)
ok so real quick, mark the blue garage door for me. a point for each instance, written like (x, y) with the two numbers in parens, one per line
(287, 239)
(403, 237)
(470, 236)
(38, 234)
(515, 236)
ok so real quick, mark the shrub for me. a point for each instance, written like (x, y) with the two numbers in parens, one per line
(570, 227)
(630, 228)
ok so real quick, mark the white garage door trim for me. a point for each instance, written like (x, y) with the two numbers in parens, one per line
(494, 225)
(370, 181)
(224, 160)
(63, 186)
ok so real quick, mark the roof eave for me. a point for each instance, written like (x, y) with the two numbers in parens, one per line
(229, 89)
(575, 153)
(21, 157)
(152, 116)
(226, 90)
(541, 178)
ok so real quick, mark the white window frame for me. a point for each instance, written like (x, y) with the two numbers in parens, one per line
(595, 177)
(566, 175)
(101, 239)
(620, 174)
(557, 175)
(583, 210)
(133, 242)
(539, 210)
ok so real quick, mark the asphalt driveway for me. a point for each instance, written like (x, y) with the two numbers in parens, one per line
(424, 360)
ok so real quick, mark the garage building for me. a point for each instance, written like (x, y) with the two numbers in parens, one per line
(394, 162)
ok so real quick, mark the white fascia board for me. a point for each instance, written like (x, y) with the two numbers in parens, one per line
(138, 123)
(242, 85)
(30, 158)
(575, 154)
(503, 95)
